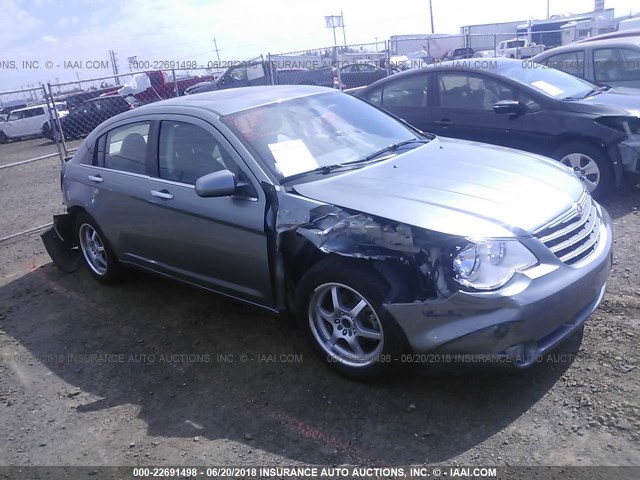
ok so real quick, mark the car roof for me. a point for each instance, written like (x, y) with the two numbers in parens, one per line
(465, 65)
(232, 100)
(620, 42)
(30, 107)
(102, 98)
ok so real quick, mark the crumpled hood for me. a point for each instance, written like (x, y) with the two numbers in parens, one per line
(618, 101)
(456, 187)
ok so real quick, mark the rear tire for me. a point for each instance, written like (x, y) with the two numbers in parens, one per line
(96, 252)
(590, 164)
(46, 131)
(339, 310)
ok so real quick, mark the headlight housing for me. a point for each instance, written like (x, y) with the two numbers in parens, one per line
(487, 265)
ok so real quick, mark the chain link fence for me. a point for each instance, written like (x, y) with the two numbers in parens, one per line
(85, 104)
(344, 66)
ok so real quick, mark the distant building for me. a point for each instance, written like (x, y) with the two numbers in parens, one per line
(557, 30)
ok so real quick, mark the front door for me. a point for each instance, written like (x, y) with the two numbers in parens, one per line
(219, 243)
(464, 109)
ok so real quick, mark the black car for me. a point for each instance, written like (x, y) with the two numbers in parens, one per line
(200, 87)
(460, 53)
(358, 74)
(593, 130)
(88, 115)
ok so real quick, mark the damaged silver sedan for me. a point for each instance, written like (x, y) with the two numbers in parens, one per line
(380, 240)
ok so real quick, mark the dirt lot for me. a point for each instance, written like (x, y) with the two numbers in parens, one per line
(151, 372)
(17, 151)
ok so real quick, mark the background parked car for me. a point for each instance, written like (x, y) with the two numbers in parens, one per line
(261, 72)
(28, 122)
(612, 61)
(359, 74)
(595, 131)
(88, 115)
(518, 48)
(195, 88)
(460, 53)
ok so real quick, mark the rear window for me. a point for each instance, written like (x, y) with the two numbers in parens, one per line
(126, 148)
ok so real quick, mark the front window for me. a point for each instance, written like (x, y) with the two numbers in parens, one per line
(188, 152)
(126, 148)
(18, 115)
(305, 134)
(548, 81)
(569, 62)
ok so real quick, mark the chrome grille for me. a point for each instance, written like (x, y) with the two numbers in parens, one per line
(573, 236)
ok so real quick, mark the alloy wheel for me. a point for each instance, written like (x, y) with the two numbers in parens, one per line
(93, 249)
(585, 168)
(345, 325)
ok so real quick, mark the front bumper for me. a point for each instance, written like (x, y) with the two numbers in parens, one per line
(534, 312)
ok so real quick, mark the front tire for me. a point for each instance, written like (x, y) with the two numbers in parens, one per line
(590, 164)
(96, 251)
(339, 309)
(3, 137)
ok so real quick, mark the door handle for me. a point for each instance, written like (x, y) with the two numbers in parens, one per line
(96, 178)
(164, 194)
(445, 122)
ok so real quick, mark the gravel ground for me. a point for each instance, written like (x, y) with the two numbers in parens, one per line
(155, 373)
(16, 151)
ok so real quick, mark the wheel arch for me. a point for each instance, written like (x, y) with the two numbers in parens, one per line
(610, 150)
(572, 137)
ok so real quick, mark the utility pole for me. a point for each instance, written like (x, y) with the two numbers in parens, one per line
(114, 65)
(548, 13)
(215, 44)
(431, 15)
(344, 35)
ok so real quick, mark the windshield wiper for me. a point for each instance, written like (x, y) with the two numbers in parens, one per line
(593, 91)
(320, 170)
(596, 91)
(324, 170)
(389, 148)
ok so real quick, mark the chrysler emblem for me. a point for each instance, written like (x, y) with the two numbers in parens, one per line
(579, 209)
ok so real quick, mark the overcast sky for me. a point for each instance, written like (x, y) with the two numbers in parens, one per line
(80, 30)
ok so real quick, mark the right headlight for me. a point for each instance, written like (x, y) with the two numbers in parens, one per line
(487, 265)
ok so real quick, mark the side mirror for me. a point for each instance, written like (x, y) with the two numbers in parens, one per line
(508, 107)
(216, 184)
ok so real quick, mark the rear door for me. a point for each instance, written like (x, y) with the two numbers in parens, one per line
(116, 186)
(35, 120)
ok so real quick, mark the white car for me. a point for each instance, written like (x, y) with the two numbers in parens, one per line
(519, 48)
(27, 122)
